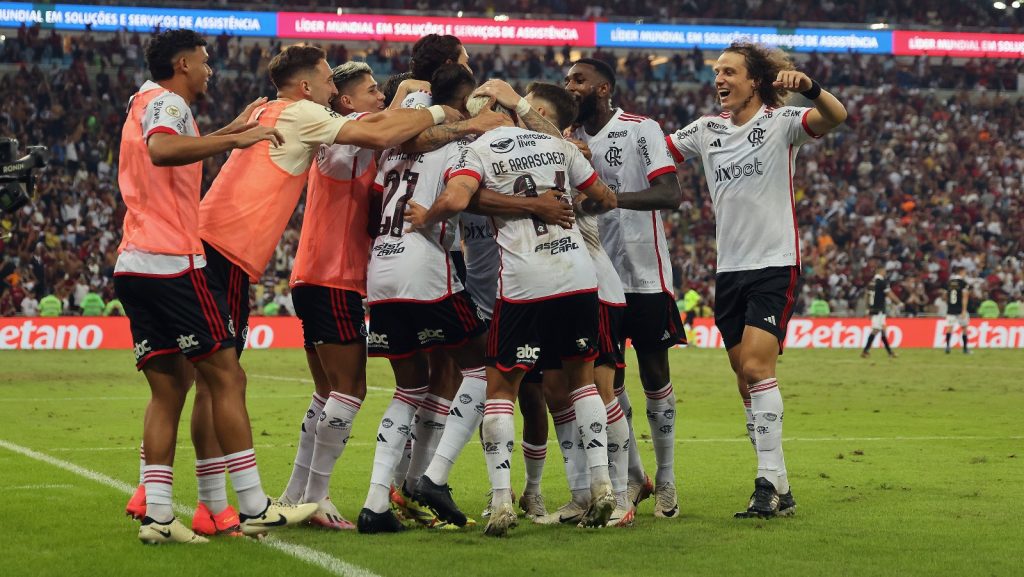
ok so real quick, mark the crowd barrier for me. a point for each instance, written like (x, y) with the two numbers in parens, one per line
(345, 26)
(68, 333)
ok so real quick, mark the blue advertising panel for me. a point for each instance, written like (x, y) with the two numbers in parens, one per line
(112, 18)
(711, 37)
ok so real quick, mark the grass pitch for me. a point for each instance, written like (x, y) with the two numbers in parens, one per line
(910, 466)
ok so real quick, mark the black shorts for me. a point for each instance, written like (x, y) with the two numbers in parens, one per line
(609, 332)
(564, 328)
(459, 263)
(329, 315)
(761, 298)
(174, 315)
(228, 279)
(401, 329)
(652, 322)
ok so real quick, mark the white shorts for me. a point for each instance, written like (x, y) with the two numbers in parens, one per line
(878, 321)
(961, 321)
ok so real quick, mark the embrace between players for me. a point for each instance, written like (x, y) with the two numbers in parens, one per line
(565, 257)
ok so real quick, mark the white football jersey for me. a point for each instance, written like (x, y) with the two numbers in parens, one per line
(412, 266)
(344, 161)
(749, 170)
(628, 154)
(482, 259)
(537, 261)
(609, 286)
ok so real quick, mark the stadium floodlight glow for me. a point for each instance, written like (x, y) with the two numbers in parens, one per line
(1015, 4)
(459, 13)
(501, 18)
(999, 5)
(341, 11)
(879, 26)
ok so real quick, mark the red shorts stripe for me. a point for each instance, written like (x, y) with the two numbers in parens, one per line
(202, 295)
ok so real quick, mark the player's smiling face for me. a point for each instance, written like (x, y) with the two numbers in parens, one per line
(583, 83)
(198, 70)
(319, 84)
(362, 96)
(734, 85)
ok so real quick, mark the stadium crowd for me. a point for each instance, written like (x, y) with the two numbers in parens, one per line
(921, 177)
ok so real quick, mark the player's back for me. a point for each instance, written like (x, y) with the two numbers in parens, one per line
(955, 295)
(538, 260)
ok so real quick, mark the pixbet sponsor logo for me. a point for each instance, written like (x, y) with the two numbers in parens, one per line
(735, 170)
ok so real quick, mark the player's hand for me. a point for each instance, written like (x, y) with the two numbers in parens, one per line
(451, 115)
(500, 91)
(793, 80)
(258, 133)
(241, 123)
(488, 119)
(415, 215)
(552, 207)
(582, 146)
(412, 85)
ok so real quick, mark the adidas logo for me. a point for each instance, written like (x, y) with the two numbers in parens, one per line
(381, 439)
(716, 144)
(595, 444)
(504, 465)
(455, 412)
(770, 319)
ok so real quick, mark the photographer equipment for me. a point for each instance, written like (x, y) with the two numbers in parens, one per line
(16, 179)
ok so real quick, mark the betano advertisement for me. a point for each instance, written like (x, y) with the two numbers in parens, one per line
(379, 27)
(69, 333)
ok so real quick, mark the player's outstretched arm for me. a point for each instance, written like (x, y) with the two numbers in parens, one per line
(241, 122)
(393, 127)
(437, 136)
(828, 112)
(510, 99)
(547, 206)
(177, 150)
(664, 193)
(405, 88)
(598, 198)
(453, 200)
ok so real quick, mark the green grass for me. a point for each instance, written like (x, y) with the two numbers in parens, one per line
(903, 467)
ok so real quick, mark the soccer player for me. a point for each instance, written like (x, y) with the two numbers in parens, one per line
(629, 155)
(958, 295)
(748, 152)
(328, 286)
(877, 294)
(547, 295)
(178, 324)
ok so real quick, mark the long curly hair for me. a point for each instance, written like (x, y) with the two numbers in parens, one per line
(763, 66)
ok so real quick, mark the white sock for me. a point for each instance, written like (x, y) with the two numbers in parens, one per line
(575, 458)
(592, 422)
(534, 457)
(499, 436)
(293, 493)
(403, 463)
(463, 421)
(429, 428)
(636, 466)
(332, 433)
(661, 415)
(213, 485)
(245, 478)
(142, 463)
(618, 446)
(158, 480)
(750, 423)
(766, 404)
(392, 433)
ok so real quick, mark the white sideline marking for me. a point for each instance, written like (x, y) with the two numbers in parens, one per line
(312, 556)
(35, 487)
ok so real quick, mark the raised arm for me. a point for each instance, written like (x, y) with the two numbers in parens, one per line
(664, 193)
(437, 136)
(241, 122)
(510, 99)
(827, 113)
(393, 127)
(177, 150)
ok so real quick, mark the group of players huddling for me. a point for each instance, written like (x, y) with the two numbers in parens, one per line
(506, 246)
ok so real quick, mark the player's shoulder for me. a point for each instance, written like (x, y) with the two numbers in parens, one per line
(782, 112)
(418, 99)
(633, 123)
(304, 106)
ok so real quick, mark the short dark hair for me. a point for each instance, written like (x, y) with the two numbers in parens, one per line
(347, 74)
(390, 86)
(447, 80)
(559, 98)
(166, 46)
(763, 66)
(293, 60)
(430, 52)
(602, 68)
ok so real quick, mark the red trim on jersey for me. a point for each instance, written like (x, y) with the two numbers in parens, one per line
(466, 172)
(151, 275)
(414, 301)
(635, 120)
(589, 181)
(657, 253)
(547, 298)
(675, 151)
(792, 205)
(608, 304)
(161, 130)
(378, 187)
(807, 127)
(663, 170)
(151, 354)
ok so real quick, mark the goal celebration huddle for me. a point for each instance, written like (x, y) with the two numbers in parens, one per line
(504, 247)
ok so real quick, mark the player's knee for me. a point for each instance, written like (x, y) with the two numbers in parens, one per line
(756, 370)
